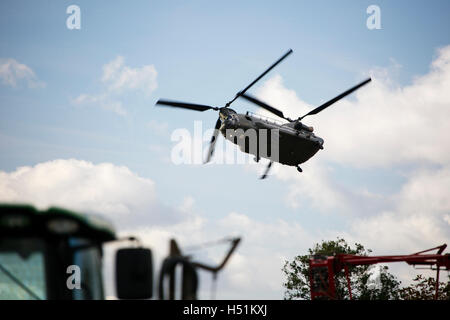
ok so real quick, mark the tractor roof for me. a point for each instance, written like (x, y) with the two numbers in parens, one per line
(25, 220)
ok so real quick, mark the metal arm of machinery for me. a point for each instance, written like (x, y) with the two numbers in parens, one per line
(189, 277)
(333, 265)
(234, 244)
(418, 258)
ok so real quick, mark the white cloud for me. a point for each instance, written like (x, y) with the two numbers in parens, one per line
(119, 79)
(83, 186)
(416, 221)
(315, 184)
(12, 73)
(276, 94)
(102, 100)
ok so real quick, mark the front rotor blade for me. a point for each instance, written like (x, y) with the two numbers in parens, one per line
(240, 93)
(263, 105)
(212, 144)
(184, 105)
(339, 97)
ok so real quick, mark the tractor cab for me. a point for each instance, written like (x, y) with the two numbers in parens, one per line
(57, 254)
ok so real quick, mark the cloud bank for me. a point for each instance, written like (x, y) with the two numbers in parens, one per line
(117, 80)
(14, 74)
(107, 189)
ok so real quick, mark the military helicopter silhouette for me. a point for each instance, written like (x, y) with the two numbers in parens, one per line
(296, 143)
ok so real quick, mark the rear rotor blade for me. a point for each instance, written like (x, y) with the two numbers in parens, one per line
(262, 75)
(212, 144)
(266, 171)
(184, 105)
(264, 105)
(339, 97)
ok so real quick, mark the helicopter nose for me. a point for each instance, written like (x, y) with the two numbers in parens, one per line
(230, 123)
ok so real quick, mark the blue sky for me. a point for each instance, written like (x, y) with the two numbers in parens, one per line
(205, 52)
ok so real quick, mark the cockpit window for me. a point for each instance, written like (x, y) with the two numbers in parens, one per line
(89, 262)
(22, 269)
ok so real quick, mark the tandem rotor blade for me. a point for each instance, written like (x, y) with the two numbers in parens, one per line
(257, 79)
(266, 171)
(264, 105)
(339, 97)
(184, 105)
(212, 144)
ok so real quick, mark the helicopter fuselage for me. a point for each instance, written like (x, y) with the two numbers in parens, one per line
(289, 143)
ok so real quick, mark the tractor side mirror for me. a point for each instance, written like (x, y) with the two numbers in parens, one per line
(134, 273)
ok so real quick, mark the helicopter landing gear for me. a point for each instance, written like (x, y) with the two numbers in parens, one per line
(299, 169)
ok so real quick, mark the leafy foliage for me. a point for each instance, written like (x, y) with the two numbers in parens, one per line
(297, 275)
(425, 289)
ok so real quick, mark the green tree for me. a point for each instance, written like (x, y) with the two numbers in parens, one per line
(425, 289)
(297, 275)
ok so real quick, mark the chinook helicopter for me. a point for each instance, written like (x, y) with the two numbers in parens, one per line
(295, 142)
